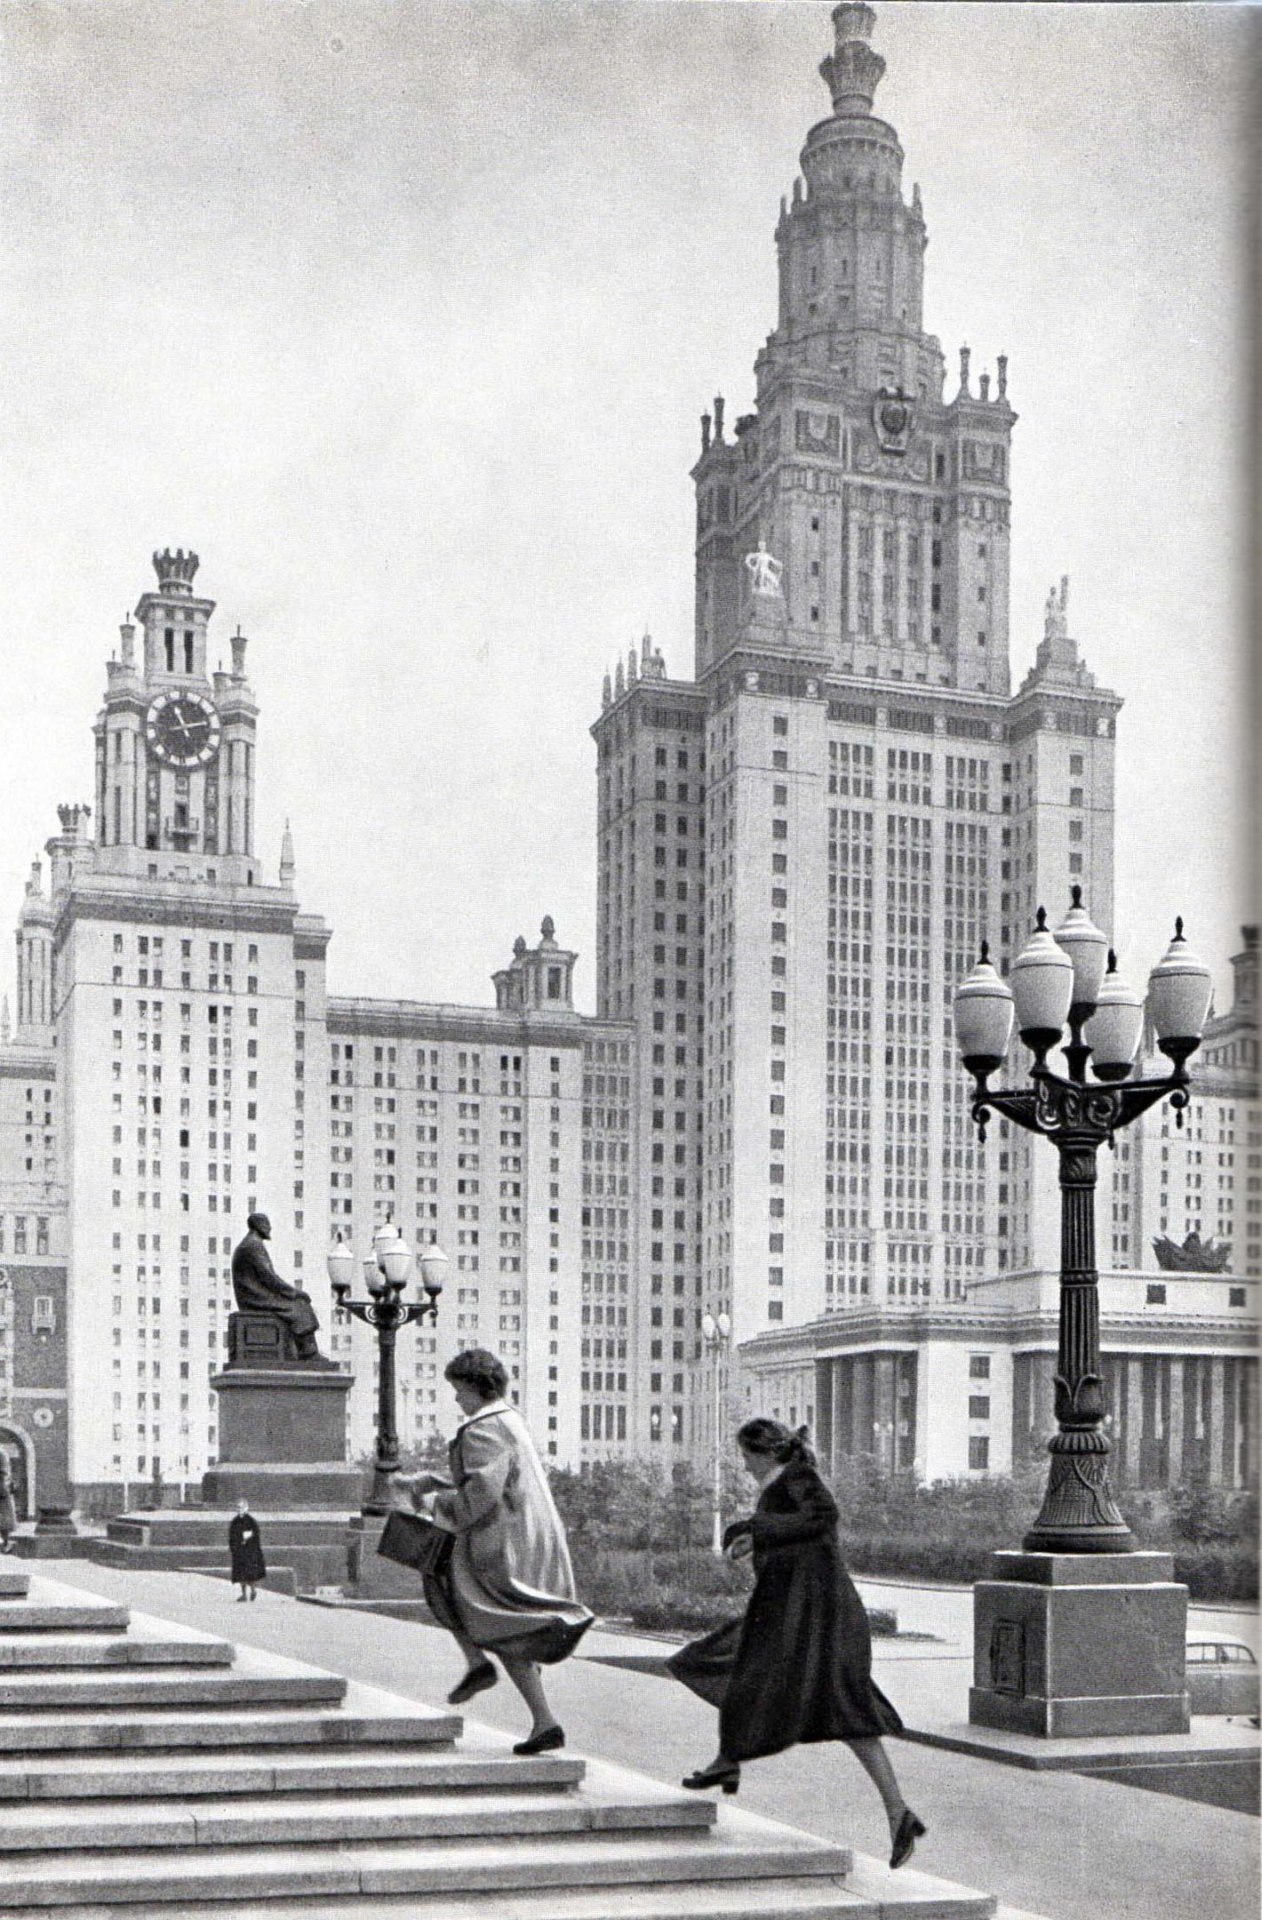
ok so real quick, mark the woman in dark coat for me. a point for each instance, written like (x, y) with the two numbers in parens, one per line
(8, 1510)
(798, 1665)
(245, 1544)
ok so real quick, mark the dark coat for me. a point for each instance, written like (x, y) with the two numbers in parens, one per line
(259, 1288)
(245, 1544)
(798, 1665)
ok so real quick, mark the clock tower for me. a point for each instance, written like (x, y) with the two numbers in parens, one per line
(174, 745)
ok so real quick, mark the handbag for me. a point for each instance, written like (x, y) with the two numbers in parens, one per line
(411, 1540)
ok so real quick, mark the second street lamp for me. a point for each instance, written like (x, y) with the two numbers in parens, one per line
(385, 1276)
(1058, 980)
(715, 1332)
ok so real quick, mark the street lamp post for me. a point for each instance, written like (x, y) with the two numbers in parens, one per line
(716, 1330)
(1057, 980)
(385, 1276)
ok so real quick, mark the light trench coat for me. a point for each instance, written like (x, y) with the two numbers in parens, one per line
(509, 1585)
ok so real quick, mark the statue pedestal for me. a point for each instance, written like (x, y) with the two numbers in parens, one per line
(282, 1440)
(1078, 1644)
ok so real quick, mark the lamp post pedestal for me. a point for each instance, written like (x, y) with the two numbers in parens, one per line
(1079, 1644)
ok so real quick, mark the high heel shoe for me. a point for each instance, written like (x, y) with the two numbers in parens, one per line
(724, 1773)
(544, 1742)
(910, 1829)
(475, 1681)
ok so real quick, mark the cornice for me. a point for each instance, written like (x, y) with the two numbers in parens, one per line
(24, 1063)
(418, 1020)
(688, 694)
(239, 909)
(870, 1330)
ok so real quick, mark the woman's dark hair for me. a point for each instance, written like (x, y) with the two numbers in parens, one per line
(477, 1368)
(783, 1443)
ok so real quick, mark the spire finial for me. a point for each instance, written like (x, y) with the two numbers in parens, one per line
(852, 71)
(1040, 920)
(175, 571)
(287, 857)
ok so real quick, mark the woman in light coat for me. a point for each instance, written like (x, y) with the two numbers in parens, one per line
(508, 1587)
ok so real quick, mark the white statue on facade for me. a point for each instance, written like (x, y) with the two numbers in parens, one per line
(764, 571)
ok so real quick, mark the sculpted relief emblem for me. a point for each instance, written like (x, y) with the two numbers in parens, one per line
(983, 460)
(818, 433)
(892, 420)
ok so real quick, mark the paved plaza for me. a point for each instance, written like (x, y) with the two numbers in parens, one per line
(1056, 1844)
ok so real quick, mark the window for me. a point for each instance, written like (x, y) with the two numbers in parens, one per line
(979, 1366)
(979, 1453)
(1155, 1293)
(979, 1406)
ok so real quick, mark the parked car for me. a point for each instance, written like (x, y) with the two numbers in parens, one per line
(1222, 1677)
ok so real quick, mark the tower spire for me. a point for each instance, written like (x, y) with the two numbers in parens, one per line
(852, 71)
(287, 857)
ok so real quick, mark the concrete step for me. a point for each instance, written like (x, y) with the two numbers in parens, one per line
(311, 1566)
(50, 1606)
(284, 1770)
(336, 1819)
(208, 1529)
(870, 1892)
(143, 1646)
(256, 1679)
(366, 1717)
(741, 1847)
(13, 1585)
(820, 1898)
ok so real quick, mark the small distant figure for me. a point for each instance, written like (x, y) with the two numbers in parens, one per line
(8, 1511)
(245, 1544)
(798, 1665)
(259, 1289)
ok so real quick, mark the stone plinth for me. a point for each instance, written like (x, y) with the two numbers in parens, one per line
(282, 1439)
(1080, 1644)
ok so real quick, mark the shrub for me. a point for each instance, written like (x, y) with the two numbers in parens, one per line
(1217, 1572)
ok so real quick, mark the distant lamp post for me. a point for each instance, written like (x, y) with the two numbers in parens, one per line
(716, 1331)
(1057, 980)
(385, 1276)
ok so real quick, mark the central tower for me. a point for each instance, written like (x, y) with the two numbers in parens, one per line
(887, 507)
(801, 849)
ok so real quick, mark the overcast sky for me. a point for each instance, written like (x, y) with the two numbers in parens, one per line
(403, 316)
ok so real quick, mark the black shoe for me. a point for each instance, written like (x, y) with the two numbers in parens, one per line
(475, 1681)
(240, 1596)
(910, 1829)
(724, 1773)
(542, 1742)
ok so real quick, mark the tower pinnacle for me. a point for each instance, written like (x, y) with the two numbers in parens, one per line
(852, 72)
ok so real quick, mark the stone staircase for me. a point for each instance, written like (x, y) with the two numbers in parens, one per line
(157, 1769)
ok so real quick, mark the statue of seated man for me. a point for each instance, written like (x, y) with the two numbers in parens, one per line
(259, 1289)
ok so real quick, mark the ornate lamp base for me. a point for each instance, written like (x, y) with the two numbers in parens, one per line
(1079, 1514)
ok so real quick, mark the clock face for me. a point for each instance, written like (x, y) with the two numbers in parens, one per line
(183, 729)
